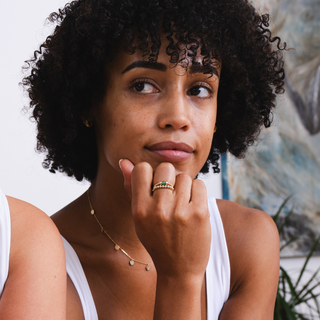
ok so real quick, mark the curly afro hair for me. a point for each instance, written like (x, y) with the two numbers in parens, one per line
(67, 74)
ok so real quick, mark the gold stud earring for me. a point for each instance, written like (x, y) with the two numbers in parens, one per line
(87, 123)
(215, 128)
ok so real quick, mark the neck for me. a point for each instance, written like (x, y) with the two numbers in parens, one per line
(112, 207)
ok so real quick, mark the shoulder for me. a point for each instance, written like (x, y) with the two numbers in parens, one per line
(36, 283)
(29, 221)
(237, 218)
(254, 253)
(33, 232)
(252, 239)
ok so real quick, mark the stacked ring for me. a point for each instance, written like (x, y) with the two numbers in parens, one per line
(163, 185)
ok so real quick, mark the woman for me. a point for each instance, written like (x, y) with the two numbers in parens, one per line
(125, 95)
(32, 271)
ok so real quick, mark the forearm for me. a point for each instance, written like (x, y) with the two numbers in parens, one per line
(177, 299)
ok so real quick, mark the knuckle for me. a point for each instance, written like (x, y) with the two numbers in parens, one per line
(138, 212)
(180, 207)
(199, 184)
(162, 214)
(181, 219)
(166, 166)
(142, 167)
(183, 177)
(181, 214)
(202, 214)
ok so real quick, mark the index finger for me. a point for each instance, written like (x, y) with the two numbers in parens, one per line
(141, 182)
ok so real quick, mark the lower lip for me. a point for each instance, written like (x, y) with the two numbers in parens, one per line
(172, 155)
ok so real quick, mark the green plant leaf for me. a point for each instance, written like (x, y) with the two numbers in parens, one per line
(305, 287)
(307, 260)
(288, 243)
(276, 216)
(287, 288)
(280, 228)
(282, 310)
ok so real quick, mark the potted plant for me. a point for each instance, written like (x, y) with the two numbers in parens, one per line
(292, 294)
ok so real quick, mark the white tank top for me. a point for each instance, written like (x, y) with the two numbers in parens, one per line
(5, 240)
(217, 272)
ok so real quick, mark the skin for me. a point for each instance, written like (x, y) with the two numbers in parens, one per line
(142, 108)
(36, 283)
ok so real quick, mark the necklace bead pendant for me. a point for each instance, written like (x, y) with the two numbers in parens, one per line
(116, 246)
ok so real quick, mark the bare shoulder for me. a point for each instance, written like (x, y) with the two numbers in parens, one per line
(244, 223)
(28, 222)
(248, 231)
(34, 237)
(20, 207)
(253, 245)
(36, 283)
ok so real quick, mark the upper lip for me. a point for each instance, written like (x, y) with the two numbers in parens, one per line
(171, 145)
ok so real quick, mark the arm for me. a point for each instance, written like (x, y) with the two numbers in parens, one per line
(179, 296)
(175, 229)
(253, 243)
(36, 284)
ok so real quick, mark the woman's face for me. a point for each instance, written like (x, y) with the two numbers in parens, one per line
(155, 112)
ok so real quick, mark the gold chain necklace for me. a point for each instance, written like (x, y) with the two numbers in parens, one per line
(116, 246)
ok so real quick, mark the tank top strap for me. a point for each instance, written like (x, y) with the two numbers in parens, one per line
(77, 276)
(218, 270)
(5, 240)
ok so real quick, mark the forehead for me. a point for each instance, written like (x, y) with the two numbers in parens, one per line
(188, 58)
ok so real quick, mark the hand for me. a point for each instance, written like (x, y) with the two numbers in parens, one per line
(173, 226)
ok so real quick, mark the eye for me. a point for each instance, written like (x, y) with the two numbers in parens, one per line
(143, 87)
(200, 92)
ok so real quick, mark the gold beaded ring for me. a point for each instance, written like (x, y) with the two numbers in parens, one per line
(163, 185)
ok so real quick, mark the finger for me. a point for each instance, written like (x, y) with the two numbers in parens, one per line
(141, 181)
(199, 193)
(165, 172)
(183, 187)
(126, 167)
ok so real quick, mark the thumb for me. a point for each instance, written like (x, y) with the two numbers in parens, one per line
(126, 167)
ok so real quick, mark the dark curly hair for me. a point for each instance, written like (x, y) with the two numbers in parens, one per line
(68, 75)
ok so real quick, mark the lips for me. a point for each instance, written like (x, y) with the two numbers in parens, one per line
(171, 151)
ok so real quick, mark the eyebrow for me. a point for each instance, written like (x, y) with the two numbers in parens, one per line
(207, 69)
(145, 64)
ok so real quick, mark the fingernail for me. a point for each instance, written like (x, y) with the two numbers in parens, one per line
(124, 182)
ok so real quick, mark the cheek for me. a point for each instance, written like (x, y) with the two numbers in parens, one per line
(206, 125)
(126, 126)
(206, 132)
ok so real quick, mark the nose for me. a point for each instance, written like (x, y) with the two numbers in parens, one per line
(175, 112)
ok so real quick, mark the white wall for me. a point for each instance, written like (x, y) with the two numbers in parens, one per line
(22, 28)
